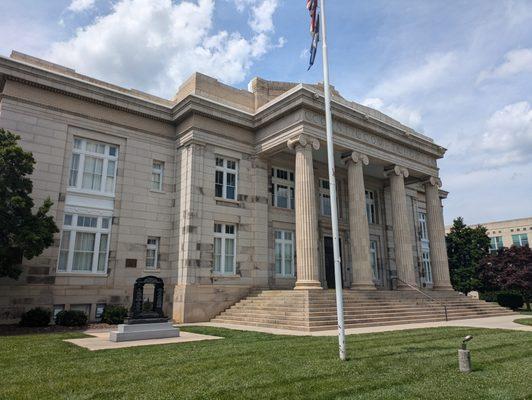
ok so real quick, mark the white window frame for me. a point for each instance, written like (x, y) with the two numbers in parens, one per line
(79, 150)
(325, 197)
(521, 236)
(224, 269)
(151, 246)
(371, 209)
(73, 230)
(423, 230)
(157, 168)
(290, 185)
(374, 258)
(99, 310)
(496, 244)
(427, 266)
(282, 241)
(225, 170)
(56, 310)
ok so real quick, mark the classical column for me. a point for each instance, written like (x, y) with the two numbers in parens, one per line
(436, 230)
(358, 223)
(307, 242)
(402, 236)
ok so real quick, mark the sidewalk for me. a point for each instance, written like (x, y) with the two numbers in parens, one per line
(501, 322)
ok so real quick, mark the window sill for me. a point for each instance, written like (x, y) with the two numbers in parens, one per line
(220, 275)
(82, 274)
(283, 208)
(90, 193)
(157, 191)
(279, 276)
(151, 271)
(228, 201)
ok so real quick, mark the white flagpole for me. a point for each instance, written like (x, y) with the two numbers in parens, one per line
(332, 189)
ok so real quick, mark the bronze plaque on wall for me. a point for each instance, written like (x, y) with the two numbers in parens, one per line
(131, 263)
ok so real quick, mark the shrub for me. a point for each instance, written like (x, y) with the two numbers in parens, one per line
(71, 318)
(510, 300)
(489, 296)
(114, 314)
(36, 317)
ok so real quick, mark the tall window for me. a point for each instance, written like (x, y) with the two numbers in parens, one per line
(370, 207)
(496, 244)
(520, 240)
(283, 188)
(225, 179)
(373, 258)
(152, 252)
(427, 268)
(325, 197)
(93, 166)
(284, 253)
(423, 232)
(84, 244)
(224, 248)
(157, 175)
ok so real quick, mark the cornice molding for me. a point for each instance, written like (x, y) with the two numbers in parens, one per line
(298, 98)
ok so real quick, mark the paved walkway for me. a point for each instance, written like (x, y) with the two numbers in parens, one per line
(100, 340)
(502, 322)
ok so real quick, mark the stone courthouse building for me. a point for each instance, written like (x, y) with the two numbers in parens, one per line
(219, 191)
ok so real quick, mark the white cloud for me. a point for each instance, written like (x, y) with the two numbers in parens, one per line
(422, 78)
(515, 62)
(155, 44)
(261, 13)
(80, 5)
(397, 95)
(508, 136)
(402, 113)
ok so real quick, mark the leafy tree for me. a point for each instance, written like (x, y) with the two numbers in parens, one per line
(466, 247)
(508, 269)
(22, 233)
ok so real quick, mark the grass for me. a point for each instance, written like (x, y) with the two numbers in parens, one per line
(413, 364)
(524, 321)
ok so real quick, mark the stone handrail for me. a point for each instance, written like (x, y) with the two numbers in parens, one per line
(424, 294)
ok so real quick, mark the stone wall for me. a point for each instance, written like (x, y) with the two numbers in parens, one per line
(138, 211)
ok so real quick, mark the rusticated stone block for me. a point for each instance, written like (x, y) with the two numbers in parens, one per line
(41, 280)
(38, 271)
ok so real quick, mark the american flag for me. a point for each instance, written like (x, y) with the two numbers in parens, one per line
(312, 6)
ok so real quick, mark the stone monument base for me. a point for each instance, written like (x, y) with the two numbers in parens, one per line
(153, 330)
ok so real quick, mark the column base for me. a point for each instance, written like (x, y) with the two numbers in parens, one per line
(363, 286)
(304, 285)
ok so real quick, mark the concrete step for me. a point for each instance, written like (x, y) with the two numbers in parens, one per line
(314, 310)
(332, 314)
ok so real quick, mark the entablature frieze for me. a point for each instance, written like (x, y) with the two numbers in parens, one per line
(273, 137)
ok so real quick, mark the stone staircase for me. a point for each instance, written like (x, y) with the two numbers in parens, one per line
(315, 310)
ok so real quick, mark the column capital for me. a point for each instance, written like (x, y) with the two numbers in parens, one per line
(397, 170)
(356, 157)
(303, 141)
(433, 181)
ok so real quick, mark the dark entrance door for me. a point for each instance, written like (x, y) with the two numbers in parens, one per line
(329, 261)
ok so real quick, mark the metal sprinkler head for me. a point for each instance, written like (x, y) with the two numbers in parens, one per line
(465, 340)
(464, 356)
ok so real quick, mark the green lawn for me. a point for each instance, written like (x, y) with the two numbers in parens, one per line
(414, 364)
(524, 321)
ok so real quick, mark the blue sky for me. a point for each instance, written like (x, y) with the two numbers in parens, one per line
(458, 71)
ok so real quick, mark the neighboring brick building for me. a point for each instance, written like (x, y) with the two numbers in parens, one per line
(218, 191)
